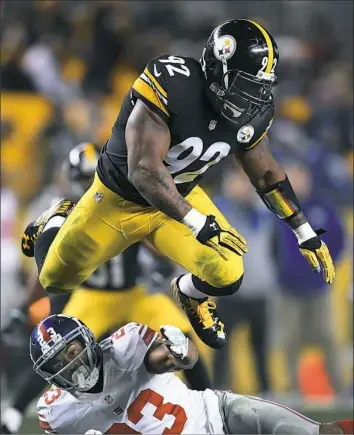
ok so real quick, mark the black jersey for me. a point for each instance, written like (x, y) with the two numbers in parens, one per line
(118, 273)
(174, 88)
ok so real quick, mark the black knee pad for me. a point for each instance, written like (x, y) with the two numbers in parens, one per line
(215, 291)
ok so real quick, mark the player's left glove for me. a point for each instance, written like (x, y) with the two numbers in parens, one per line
(175, 340)
(219, 239)
(317, 255)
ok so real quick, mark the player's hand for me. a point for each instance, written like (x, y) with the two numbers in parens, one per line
(220, 239)
(317, 255)
(93, 431)
(175, 340)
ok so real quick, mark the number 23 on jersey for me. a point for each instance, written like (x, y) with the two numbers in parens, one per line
(135, 414)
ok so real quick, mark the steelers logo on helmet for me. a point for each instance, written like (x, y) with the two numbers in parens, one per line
(224, 47)
(245, 133)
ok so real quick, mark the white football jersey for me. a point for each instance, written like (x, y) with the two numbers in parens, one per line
(133, 400)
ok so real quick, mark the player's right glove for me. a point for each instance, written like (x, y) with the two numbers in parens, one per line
(175, 340)
(209, 232)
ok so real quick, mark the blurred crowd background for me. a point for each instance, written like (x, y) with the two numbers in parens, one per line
(65, 68)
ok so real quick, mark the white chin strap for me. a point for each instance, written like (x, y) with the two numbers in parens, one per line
(85, 383)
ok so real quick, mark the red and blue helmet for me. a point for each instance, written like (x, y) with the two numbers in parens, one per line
(48, 343)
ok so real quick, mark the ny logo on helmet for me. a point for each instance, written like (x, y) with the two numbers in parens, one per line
(47, 335)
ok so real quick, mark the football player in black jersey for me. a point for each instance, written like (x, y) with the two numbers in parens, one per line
(180, 118)
(110, 297)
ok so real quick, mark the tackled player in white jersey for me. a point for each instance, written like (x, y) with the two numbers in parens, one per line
(126, 385)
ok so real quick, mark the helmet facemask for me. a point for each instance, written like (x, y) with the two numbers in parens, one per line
(243, 95)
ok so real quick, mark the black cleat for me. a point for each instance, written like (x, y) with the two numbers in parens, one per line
(202, 316)
(34, 229)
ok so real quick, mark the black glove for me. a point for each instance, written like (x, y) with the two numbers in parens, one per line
(220, 239)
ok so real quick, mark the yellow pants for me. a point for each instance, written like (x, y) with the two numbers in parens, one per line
(102, 310)
(102, 226)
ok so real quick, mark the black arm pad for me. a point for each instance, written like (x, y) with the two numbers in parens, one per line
(281, 199)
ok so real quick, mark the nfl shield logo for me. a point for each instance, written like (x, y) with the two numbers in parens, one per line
(98, 196)
(212, 124)
(108, 399)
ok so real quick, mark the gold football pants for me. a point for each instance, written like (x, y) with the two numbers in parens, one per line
(101, 310)
(103, 224)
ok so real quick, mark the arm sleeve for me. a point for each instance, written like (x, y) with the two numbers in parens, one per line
(151, 88)
(130, 345)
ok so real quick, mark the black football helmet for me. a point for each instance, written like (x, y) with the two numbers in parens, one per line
(239, 62)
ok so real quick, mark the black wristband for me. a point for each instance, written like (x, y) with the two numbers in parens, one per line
(281, 200)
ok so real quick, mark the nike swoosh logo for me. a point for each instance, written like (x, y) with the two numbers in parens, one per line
(157, 74)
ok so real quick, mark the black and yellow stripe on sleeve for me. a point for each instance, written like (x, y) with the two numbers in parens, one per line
(281, 199)
(152, 91)
(279, 204)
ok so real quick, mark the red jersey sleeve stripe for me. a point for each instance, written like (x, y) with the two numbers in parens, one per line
(148, 336)
(141, 329)
(44, 425)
